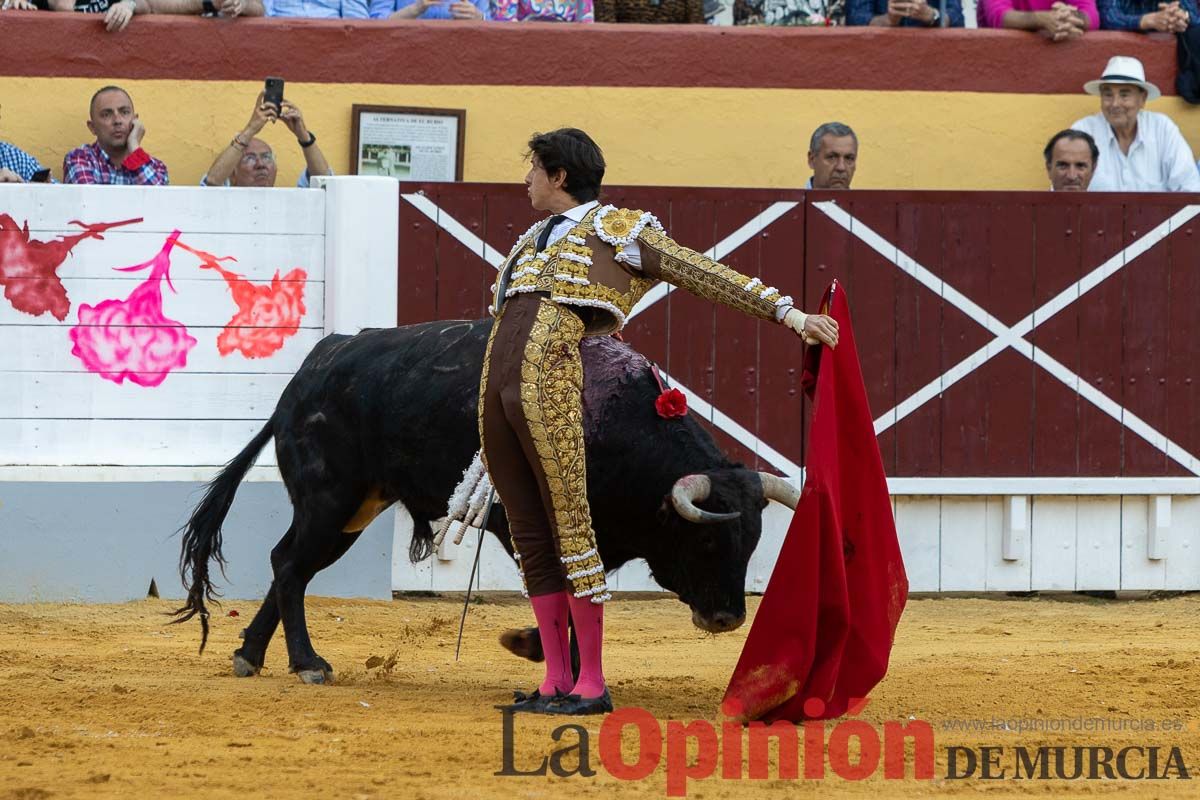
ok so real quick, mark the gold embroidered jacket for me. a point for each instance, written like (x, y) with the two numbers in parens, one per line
(588, 270)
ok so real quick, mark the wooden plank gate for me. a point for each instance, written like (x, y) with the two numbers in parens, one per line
(1029, 358)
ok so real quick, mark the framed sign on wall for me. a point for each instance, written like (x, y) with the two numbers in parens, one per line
(409, 144)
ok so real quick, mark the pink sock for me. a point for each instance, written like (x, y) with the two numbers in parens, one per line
(589, 631)
(552, 613)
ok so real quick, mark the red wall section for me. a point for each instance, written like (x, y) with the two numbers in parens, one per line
(432, 52)
(1132, 337)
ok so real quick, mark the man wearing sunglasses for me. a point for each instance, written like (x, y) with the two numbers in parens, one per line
(249, 161)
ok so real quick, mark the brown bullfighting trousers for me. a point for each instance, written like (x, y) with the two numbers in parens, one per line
(531, 424)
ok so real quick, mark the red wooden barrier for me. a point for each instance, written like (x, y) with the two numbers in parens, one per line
(1131, 339)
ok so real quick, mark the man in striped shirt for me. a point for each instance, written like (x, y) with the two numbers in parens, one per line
(116, 158)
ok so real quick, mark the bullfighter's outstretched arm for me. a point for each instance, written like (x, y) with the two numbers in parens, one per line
(665, 259)
(642, 244)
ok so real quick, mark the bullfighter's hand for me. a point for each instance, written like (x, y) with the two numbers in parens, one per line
(814, 328)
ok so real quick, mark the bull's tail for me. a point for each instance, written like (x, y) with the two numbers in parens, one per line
(202, 533)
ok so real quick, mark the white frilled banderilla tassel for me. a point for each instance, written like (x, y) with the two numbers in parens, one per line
(467, 504)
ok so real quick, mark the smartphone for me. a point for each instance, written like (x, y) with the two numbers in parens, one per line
(273, 93)
(41, 176)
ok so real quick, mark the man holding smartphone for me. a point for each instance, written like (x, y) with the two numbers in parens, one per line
(116, 158)
(17, 166)
(249, 161)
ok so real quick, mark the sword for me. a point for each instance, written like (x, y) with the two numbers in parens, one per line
(487, 512)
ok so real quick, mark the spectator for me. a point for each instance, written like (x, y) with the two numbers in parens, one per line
(318, 9)
(248, 161)
(542, 11)
(116, 157)
(832, 156)
(1071, 161)
(1140, 151)
(650, 11)
(789, 12)
(208, 8)
(1061, 21)
(1148, 15)
(117, 13)
(904, 13)
(16, 166)
(429, 9)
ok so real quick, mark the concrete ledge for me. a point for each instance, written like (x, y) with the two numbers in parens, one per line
(102, 542)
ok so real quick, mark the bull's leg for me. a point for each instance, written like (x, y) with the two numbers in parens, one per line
(527, 643)
(248, 659)
(318, 542)
(524, 643)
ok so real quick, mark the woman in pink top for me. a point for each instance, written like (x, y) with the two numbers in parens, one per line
(1060, 20)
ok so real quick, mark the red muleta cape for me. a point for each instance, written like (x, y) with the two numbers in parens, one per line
(825, 626)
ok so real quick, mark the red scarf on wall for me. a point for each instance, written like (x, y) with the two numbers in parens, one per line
(825, 626)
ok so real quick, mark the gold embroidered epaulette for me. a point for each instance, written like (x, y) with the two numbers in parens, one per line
(620, 226)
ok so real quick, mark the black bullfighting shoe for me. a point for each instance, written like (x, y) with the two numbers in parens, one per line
(574, 705)
(535, 702)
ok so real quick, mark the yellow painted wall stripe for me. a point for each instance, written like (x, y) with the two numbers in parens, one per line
(651, 136)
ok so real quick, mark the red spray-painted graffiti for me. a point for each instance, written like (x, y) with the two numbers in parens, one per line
(29, 268)
(267, 313)
(131, 338)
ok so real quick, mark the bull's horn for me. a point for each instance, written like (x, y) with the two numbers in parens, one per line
(691, 489)
(777, 489)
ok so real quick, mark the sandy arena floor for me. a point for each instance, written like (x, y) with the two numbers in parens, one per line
(106, 701)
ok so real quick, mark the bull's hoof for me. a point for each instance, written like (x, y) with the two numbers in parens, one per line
(523, 642)
(243, 668)
(315, 676)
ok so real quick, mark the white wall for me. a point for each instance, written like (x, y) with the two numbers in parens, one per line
(56, 410)
(119, 466)
(950, 543)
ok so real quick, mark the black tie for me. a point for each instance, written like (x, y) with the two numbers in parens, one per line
(544, 236)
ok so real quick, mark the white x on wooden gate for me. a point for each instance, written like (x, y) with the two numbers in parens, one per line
(1006, 336)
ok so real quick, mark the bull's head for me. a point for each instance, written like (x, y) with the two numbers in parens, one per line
(714, 521)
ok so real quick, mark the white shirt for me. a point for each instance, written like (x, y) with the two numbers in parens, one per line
(1159, 159)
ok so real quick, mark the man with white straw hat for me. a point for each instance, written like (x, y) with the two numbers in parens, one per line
(1140, 151)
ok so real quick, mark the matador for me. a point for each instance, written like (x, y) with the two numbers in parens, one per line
(578, 273)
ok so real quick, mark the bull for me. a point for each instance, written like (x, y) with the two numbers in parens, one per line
(389, 416)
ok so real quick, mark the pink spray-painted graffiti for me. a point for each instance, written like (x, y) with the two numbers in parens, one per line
(132, 338)
(267, 313)
(29, 268)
